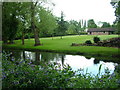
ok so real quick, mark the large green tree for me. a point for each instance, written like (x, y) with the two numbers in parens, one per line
(24, 20)
(105, 24)
(116, 5)
(71, 29)
(62, 28)
(10, 21)
(46, 22)
(33, 26)
(91, 24)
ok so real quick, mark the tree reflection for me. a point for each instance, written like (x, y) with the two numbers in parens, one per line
(96, 61)
(87, 57)
(23, 55)
(37, 58)
(62, 56)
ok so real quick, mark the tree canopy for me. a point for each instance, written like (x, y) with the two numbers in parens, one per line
(91, 24)
(116, 5)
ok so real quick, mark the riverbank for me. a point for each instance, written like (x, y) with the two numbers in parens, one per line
(64, 46)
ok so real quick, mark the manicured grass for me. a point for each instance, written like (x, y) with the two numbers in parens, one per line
(64, 45)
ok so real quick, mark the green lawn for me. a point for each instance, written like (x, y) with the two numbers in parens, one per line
(64, 45)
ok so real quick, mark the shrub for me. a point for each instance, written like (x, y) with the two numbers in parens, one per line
(96, 39)
(83, 33)
(88, 42)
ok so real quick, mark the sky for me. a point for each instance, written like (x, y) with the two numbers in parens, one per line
(99, 10)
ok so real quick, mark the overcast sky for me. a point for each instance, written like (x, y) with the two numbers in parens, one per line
(99, 10)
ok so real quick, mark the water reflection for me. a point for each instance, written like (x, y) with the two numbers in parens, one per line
(96, 61)
(75, 61)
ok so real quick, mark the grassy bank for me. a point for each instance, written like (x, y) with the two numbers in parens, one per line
(64, 45)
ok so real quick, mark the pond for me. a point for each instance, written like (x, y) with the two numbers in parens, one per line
(89, 65)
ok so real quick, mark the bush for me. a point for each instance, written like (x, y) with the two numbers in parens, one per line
(88, 42)
(96, 39)
(83, 33)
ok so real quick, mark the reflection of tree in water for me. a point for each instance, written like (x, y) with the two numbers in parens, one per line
(51, 57)
(47, 57)
(37, 58)
(62, 56)
(96, 61)
(87, 57)
(24, 55)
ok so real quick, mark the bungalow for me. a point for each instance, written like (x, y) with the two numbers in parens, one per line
(101, 31)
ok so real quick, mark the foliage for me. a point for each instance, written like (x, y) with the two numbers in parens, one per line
(83, 33)
(24, 74)
(71, 29)
(96, 39)
(62, 25)
(116, 5)
(91, 24)
(21, 19)
(88, 42)
(47, 23)
(75, 27)
(105, 24)
(112, 42)
(10, 21)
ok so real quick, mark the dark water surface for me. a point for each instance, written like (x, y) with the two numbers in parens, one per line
(89, 65)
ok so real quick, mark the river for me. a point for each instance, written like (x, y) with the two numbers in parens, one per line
(89, 65)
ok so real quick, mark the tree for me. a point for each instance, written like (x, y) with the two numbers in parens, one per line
(116, 5)
(74, 27)
(33, 18)
(91, 24)
(33, 26)
(71, 29)
(19, 17)
(24, 19)
(62, 25)
(10, 21)
(48, 20)
(105, 24)
(84, 26)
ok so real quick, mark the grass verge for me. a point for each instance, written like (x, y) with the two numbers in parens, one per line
(64, 46)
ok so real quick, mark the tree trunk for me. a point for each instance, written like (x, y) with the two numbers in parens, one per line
(37, 41)
(23, 35)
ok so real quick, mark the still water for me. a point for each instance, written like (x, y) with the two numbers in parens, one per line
(89, 65)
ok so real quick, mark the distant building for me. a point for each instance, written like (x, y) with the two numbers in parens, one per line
(101, 31)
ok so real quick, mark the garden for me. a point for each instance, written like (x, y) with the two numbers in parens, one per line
(37, 34)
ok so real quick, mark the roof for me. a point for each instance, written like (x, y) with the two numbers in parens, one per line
(100, 29)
